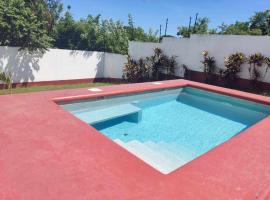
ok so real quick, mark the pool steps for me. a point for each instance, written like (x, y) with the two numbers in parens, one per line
(162, 149)
(154, 154)
(187, 153)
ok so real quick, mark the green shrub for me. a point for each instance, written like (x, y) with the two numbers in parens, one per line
(135, 71)
(156, 67)
(256, 61)
(267, 62)
(209, 66)
(155, 63)
(187, 72)
(6, 79)
(233, 65)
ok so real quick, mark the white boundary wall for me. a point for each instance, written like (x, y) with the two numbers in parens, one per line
(58, 64)
(114, 64)
(189, 50)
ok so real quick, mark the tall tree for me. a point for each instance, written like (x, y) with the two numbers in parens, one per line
(258, 24)
(138, 33)
(67, 35)
(55, 8)
(200, 27)
(239, 28)
(130, 28)
(261, 20)
(25, 24)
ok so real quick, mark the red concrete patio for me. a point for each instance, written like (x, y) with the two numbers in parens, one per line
(46, 153)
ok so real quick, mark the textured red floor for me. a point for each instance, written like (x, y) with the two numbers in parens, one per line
(46, 153)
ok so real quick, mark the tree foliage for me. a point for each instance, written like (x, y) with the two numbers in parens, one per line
(138, 33)
(40, 24)
(201, 27)
(28, 23)
(94, 33)
(239, 28)
(261, 21)
(258, 24)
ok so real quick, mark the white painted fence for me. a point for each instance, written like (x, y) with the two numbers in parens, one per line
(57, 64)
(189, 51)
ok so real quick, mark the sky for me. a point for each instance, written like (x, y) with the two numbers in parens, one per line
(151, 13)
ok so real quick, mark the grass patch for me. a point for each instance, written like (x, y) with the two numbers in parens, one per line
(86, 85)
(52, 87)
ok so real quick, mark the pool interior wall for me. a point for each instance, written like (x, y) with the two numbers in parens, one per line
(169, 128)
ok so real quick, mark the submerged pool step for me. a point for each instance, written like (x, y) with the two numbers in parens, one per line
(159, 147)
(96, 116)
(156, 159)
(182, 152)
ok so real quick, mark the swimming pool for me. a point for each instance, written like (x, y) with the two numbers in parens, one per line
(169, 128)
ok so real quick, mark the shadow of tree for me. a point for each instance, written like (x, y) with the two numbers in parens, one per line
(21, 65)
(99, 67)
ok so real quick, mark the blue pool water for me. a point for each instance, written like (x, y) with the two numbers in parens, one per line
(169, 128)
